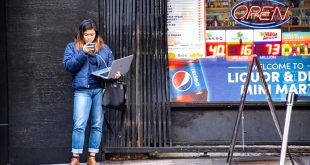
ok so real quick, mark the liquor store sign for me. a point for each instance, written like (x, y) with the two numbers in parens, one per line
(214, 80)
(260, 13)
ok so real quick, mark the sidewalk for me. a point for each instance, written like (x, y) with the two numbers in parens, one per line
(304, 160)
(209, 161)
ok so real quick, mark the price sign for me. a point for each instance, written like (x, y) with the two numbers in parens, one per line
(267, 42)
(216, 49)
(239, 42)
(215, 43)
(240, 50)
(268, 49)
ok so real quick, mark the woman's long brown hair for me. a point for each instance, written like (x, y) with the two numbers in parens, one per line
(87, 24)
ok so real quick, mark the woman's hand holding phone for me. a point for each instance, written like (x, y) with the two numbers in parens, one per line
(89, 48)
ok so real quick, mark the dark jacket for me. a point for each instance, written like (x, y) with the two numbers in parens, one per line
(76, 62)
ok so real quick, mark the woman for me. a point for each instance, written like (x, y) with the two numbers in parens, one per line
(86, 54)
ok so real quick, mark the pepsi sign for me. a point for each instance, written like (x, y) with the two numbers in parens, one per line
(187, 81)
(182, 81)
(260, 14)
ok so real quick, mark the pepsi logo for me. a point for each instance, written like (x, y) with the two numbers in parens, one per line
(182, 81)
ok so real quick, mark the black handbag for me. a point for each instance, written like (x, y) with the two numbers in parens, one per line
(114, 96)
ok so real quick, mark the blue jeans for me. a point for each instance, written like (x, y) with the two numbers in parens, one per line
(87, 102)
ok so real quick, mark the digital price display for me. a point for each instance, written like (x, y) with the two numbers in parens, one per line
(267, 42)
(216, 49)
(240, 50)
(269, 49)
(239, 42)
(215, 43)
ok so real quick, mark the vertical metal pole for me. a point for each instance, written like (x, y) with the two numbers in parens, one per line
(242, 125)
(138, 76)
(289, 107)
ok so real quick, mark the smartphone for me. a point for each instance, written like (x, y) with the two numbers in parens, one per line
(91, 45)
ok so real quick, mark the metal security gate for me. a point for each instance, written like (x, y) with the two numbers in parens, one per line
(139, 27)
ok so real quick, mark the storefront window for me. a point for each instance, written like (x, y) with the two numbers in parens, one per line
(214, 70)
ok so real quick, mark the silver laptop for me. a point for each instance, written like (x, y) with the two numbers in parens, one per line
(122, 65)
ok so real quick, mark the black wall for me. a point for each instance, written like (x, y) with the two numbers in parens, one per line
(215, 125)
(39, 89)
(3, 89)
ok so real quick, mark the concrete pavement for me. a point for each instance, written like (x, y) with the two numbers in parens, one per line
(210, 161)
(300, 160)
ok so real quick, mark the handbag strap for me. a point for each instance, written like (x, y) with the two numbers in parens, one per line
(119, 132)
(108, 124)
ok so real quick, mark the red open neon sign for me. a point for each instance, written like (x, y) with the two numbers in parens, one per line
(262, 13)
(255, 16)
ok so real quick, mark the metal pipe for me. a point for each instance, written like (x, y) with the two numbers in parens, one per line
(290, 102)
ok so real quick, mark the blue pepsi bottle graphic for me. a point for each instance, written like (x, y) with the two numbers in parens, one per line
(187, 82)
